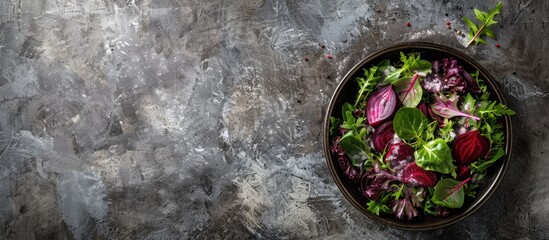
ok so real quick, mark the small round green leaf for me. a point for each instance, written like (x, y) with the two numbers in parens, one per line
(435, 156)
(409, 123)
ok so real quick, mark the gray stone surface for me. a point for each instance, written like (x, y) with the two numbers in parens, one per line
(168, 119)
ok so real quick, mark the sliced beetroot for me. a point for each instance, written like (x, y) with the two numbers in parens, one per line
(382, 136)
(462, 172)
(399, 152)
(381, 105)
(470, 146)
(416, 176)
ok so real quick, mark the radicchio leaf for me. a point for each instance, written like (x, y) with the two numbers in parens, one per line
(446, 107)
(344, 163)
(381, 105)
(472, 84)
(348, 170)
(448, 76)
(404, 207)
(376, 181)
(470, 146)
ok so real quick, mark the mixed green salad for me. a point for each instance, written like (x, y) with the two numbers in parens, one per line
(419, 136)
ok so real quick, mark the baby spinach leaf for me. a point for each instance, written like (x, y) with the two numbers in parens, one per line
(449, 193)
(435, 156)
(409, 123)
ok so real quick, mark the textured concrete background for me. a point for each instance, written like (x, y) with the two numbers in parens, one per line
(167, 119)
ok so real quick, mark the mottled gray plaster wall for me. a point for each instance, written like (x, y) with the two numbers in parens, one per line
(168, 119)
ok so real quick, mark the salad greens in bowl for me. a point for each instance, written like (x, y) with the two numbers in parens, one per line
(417, 136)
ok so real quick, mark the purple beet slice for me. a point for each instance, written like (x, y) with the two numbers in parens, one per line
(382, 136)
(416, 176)
(381, 105)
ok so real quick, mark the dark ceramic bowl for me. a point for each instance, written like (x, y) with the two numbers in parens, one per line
(346, 91)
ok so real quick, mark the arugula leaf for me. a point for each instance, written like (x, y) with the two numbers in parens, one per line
(398, 193)
(494, 109)
(349, 120)
(429, 208)
(368, 84)
(380, 205)
(436, 156)
(470, 190)
(481, 166)
(334, 124)
(429, 134)
(486, 19)
(447, 132)
(409, 66)
(449, 193)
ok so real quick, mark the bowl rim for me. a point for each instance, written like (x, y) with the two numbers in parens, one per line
(490, 187)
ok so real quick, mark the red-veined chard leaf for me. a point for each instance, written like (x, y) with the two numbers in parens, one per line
(446, 107)
(449, 193)
(409, 90)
